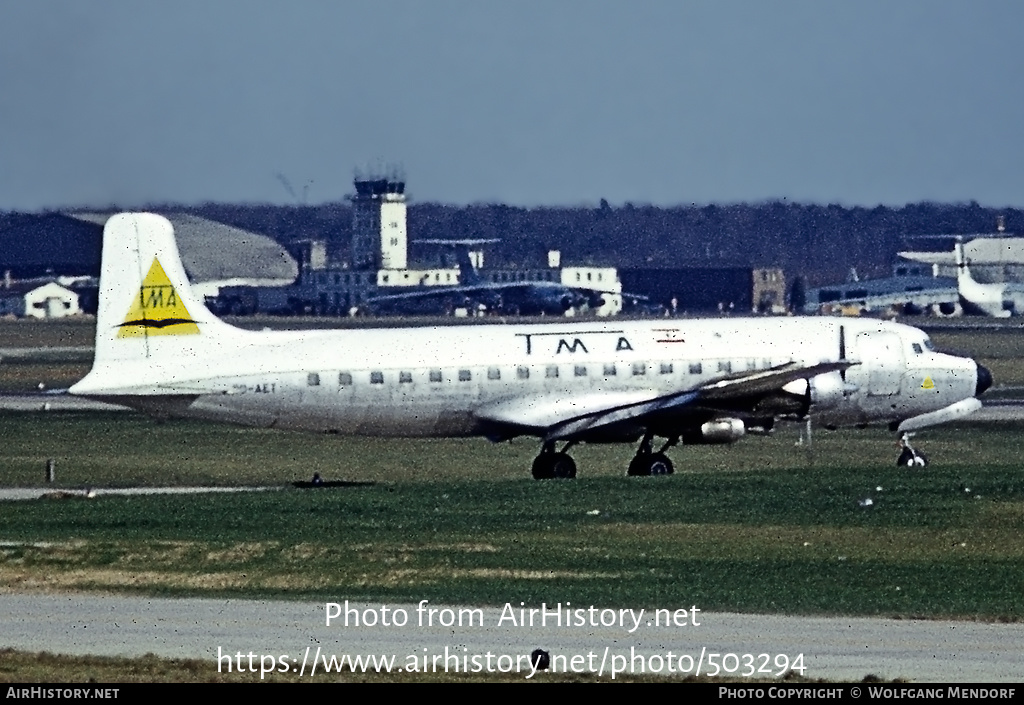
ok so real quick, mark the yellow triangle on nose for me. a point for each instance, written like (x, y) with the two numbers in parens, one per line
(928, 383)
(157, 310)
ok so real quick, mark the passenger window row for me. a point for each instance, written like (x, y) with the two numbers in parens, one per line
(523, 372)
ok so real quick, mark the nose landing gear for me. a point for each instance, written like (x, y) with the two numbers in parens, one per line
(910, 458)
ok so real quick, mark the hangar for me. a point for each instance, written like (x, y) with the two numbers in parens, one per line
(710, 289)
(214, 254)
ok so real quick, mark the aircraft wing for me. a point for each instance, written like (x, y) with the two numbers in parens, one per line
(468, 290)
(913, 299)
(769, 380)
(488, 287)
(588, 415)
(420, 294)
(544, 295)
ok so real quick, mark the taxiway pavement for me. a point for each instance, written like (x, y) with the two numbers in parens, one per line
(838, 648)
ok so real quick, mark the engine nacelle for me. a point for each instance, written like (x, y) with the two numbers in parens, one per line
(826, 391)
(725, 430)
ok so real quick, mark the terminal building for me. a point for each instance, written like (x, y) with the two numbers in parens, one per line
(698, 290)
(379, 266)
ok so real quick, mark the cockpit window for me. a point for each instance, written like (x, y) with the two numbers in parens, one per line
(929, 344)
(917, 348)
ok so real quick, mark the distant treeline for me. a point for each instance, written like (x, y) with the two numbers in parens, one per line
(819, 242)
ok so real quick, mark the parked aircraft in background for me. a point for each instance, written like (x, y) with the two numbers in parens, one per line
(909, 291)
(999, 300)
(528, 298)
(159, 349)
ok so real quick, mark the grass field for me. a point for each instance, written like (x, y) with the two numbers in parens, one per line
(763, 525)
(21, 667)
(759, 526)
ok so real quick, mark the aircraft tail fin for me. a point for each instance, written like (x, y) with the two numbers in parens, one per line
(975, 297)
(961, 260)
(468, 276)
(147, 311)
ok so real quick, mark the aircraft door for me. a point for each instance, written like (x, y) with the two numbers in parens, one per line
(882, 354)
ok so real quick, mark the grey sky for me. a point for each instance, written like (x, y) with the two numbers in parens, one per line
(556, 102)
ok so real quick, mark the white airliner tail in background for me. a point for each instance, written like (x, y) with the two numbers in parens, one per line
(160, 350)
(1000, 300)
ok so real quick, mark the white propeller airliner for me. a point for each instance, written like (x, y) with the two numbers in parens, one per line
(159, 349)
(1000, 300)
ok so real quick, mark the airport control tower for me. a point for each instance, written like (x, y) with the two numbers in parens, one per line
(379, 232)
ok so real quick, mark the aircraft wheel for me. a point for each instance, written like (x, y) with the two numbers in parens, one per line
(911, 459)
(563, 466)
(543, 467)
(638, 467)
(554, 465)
(650, 464)
(659, 464)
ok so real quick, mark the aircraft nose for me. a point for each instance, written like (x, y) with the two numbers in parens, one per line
(984, 380)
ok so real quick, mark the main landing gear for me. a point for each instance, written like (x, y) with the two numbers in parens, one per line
(910, 458)
(551, 464)
(646, 463)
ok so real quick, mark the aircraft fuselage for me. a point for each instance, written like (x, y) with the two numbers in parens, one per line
(440, 381)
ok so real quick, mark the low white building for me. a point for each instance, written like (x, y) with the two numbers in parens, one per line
(32, 299)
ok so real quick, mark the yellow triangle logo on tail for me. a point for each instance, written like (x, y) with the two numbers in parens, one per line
(928, 383)
(157, 310)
